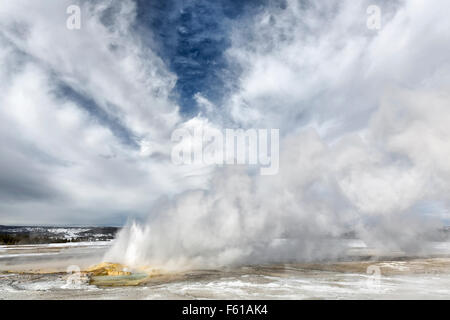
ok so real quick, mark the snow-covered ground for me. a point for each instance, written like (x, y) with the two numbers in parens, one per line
(57, 234)
(46, 277)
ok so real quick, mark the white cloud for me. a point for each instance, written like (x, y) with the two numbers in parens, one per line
(66, 150)
(362, 113)
(379, 99)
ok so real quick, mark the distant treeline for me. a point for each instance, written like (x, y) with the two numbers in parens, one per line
(25, 238)
(20, 235)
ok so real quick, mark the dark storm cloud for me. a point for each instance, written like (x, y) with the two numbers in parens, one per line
(22, 177)
(64, 92)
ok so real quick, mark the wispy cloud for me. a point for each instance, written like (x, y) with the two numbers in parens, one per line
(87, 117)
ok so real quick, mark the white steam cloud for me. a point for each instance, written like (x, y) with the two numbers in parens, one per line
(365, 123)
(95, 156)
(363, 115)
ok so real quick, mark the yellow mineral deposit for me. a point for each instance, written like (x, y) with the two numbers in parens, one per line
(108, 269)
(116, 274)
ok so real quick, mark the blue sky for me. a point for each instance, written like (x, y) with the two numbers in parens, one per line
(87, 114)
(192, 37)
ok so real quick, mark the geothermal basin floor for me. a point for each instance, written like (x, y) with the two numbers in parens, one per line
(40, 272)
